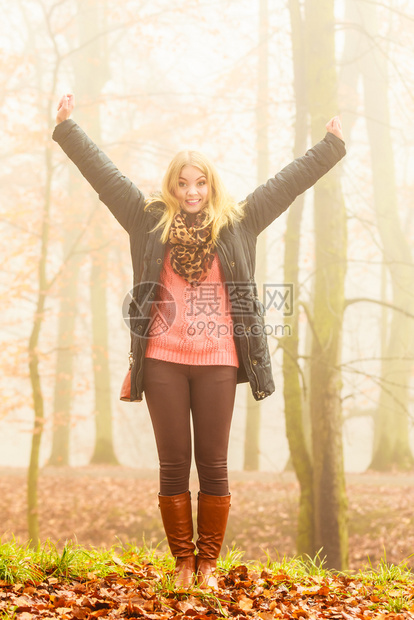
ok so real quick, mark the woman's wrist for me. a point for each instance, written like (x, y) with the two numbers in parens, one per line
(60, 120)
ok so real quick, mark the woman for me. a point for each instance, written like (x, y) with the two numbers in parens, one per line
(196, 320)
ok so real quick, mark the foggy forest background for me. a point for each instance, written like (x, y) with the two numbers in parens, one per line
(251, 84)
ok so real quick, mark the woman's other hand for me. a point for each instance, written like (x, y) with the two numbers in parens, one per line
(65, 108)
(334, 126)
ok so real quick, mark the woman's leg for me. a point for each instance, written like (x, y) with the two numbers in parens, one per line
(168, 399)
(212, 400)
(212, 394)
(167, 393)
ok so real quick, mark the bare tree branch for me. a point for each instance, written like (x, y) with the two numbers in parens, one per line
(355, 300)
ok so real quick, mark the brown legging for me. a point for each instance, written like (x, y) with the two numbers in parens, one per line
(171, 391)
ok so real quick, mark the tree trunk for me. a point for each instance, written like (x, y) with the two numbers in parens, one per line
(90, 81)
(391, 448)
(38, 403)
(253, 407)
(292, 391)
(104, 449)
(68, 301)
(330, 266)
(43, 286)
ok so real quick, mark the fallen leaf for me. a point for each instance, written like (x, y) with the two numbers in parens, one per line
(245, 603)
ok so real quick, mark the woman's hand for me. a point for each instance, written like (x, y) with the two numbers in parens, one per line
(65, 108)
(334, 126)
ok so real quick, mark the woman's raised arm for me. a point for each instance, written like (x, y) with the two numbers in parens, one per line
(120, 195)
(272, 198)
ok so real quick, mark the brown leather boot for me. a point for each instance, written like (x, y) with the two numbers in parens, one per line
(178, 524)
(211, 524)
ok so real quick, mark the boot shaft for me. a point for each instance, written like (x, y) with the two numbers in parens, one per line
(177, 519)
(212, 516)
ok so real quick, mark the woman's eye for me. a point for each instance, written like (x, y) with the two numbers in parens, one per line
(202, 183)
(181, 184)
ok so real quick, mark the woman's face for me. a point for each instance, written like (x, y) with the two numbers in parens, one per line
(193, 189)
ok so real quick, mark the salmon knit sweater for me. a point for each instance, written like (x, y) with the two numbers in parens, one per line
(197, 327)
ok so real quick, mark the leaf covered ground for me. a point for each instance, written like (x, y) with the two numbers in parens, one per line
(134, 583)
(99, 507)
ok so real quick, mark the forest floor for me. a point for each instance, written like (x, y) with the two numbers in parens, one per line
(104, 506)
(137, 583)
(80, 584)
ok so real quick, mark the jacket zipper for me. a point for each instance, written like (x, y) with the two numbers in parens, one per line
(258, 391)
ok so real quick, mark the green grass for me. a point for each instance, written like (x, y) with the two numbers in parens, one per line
(9, 614)
(387, 587)
(390, 583)
(23, 564)
(301, 569)
(386, 573)
(232, 558)
(17, 564)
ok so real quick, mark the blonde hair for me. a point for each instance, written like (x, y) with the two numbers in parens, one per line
(222, 210)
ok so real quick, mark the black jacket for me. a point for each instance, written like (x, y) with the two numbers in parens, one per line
(236, 246)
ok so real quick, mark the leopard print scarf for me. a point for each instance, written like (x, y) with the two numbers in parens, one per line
(192, 251)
